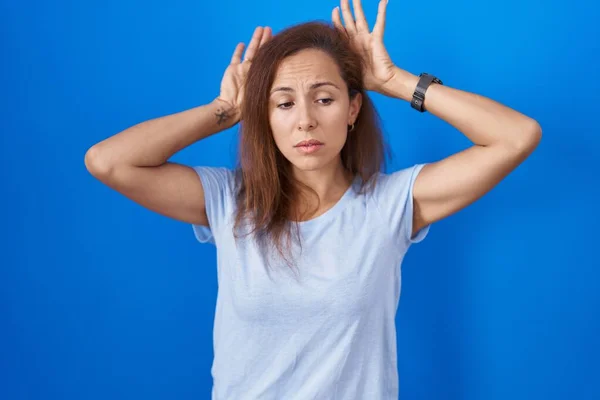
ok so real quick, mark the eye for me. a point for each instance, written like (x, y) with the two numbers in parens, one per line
(285, 105)
(326, 101)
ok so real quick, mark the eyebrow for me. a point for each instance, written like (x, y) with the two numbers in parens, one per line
(312, 87)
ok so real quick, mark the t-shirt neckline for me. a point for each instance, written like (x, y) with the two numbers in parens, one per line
(333, 211)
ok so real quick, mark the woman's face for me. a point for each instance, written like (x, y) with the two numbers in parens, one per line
(309, 101)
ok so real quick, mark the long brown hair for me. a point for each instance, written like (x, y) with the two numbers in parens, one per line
(267, 193)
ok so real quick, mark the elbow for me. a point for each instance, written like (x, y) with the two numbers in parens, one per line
(534, 136)
(97, 163)
(534, 133)
(529, 137)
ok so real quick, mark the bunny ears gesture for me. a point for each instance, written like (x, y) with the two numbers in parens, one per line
(379, 68)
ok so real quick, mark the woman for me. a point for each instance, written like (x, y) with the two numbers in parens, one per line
(309, 186)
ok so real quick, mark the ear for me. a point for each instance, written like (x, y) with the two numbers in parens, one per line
(354, 109)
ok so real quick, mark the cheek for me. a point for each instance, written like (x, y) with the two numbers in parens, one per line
(334, 124)
(280, 128)
(334, 116)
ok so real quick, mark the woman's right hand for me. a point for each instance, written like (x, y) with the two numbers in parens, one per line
(234, 78)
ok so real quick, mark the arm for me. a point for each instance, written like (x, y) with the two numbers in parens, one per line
(502, 139)
(135, 162)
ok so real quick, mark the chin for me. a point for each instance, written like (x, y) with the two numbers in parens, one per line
(311, 163)
(306, 167)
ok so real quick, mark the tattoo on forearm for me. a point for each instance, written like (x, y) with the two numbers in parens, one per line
(222, 116)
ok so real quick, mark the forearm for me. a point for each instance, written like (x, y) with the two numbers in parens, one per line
(484, 121)
(153, 142)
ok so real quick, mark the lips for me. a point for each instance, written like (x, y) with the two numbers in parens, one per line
(311, 142)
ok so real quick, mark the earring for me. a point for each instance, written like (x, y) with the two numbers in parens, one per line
(351, 128)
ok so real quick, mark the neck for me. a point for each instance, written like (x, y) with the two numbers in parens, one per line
(330, 183)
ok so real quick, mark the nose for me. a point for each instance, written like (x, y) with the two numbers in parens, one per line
(306, 120)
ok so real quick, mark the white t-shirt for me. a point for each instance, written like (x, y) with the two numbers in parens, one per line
(325, 330)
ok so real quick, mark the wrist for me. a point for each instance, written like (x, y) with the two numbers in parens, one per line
(401, 86)
(227, 115)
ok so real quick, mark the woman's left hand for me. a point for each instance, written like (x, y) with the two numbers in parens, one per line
(379, 68)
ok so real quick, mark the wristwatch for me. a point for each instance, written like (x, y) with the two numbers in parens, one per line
(419, 95)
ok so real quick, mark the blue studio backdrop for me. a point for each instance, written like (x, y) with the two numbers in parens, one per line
(102, 299)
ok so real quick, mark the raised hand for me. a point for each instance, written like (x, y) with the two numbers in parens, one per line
(234, 78)
(379, 68)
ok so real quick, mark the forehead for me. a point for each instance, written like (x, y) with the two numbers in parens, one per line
(307, 66)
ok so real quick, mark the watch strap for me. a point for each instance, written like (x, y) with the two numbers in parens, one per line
(418, 99)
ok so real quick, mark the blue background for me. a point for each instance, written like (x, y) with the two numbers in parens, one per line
(102, 299)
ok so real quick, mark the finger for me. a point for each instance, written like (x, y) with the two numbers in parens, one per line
(337, 22)
(348, 19)
(253, 46)
(266, 36)
(361, 21)
(237, 53)
(380, 22)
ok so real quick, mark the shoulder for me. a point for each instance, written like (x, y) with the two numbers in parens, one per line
(392, 195)
(218, 179)
(394, 183)
(219, 185)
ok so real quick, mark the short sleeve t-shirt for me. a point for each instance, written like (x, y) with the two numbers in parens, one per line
(327, 329)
